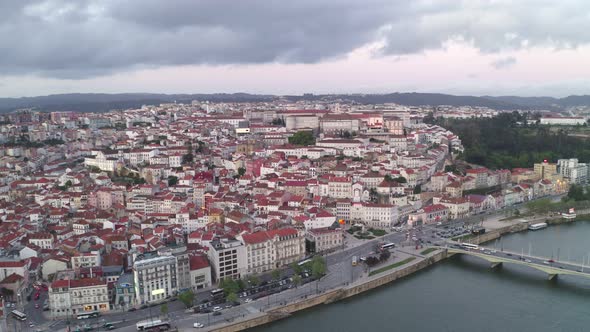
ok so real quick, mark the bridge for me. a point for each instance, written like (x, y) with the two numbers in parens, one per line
(547, 265)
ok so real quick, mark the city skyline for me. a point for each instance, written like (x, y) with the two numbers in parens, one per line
(474, 48)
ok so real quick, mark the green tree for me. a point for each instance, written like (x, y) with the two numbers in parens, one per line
(304, 138)
(276, 274)
(241, 284)
(400, 179)
(172, 180)
(388, 178)
(231, 298)
(429, 118)
(187, 158)
(373, 194)
(229, 286)
(164, 309)
(297, 280)
(187, 298)
(576, 193)
(417, 189)
(296, 268)
(253, 280)
(318, 267)
(241, 171)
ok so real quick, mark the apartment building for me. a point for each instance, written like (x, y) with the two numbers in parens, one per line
(42, 240)
(74, 297)
(155, 277)
(228, 258)
(545, 170)
(339, 187)
(576, 172)
(323, 239)
(81, 260)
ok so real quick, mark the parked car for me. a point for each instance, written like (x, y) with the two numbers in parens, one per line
(215, 309)
(248, 300)
(198, 325)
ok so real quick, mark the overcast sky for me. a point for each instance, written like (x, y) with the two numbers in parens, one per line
(496, 47)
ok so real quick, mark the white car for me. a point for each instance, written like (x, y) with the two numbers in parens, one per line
(216, 309)
(198, 325)
(248, 300)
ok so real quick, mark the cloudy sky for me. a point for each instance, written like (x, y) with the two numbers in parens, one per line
(494, 47)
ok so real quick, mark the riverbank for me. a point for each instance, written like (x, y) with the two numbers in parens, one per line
(338, 294)
(383, 278)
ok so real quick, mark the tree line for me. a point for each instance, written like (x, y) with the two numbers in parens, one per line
(508, 141)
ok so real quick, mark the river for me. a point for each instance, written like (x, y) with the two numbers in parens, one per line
(464, 294)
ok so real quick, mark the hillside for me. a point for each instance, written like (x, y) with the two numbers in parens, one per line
(97, 102)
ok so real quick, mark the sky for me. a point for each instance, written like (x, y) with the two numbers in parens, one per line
(470, 47)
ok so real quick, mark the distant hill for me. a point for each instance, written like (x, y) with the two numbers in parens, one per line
(98, 102)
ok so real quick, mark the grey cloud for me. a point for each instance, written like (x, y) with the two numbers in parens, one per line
(504, 63)
(84, 38)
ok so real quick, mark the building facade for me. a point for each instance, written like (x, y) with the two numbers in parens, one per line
(228, 258)
(154, 277)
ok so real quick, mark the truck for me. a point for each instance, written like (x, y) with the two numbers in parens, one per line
(355, 260)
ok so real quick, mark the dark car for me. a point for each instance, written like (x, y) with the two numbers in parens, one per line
(217, 313)
(132, 309)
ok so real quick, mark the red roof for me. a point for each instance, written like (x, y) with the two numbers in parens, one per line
(434, 208)
(60, 283)
(11, 279)
(254, 238)
(86, 282)
(8, 264)
(198, 262)
(282, 232)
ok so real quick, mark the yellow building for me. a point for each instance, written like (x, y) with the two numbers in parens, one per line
(545, 170)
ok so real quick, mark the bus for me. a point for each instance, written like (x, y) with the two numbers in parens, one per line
(152, 324)
(87, 315)
(387, 246)
(217, 293)
(305, 261)
(18, 315)
(354, 260)
(469, 246)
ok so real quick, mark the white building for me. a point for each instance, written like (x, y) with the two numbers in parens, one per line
(74, 297)
(382, 216)
(564, 121)
(324, 239)
(228, 258)
(200, 272)
(154, 277)
(576, 172)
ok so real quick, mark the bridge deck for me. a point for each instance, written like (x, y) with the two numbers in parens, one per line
(538, 263)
